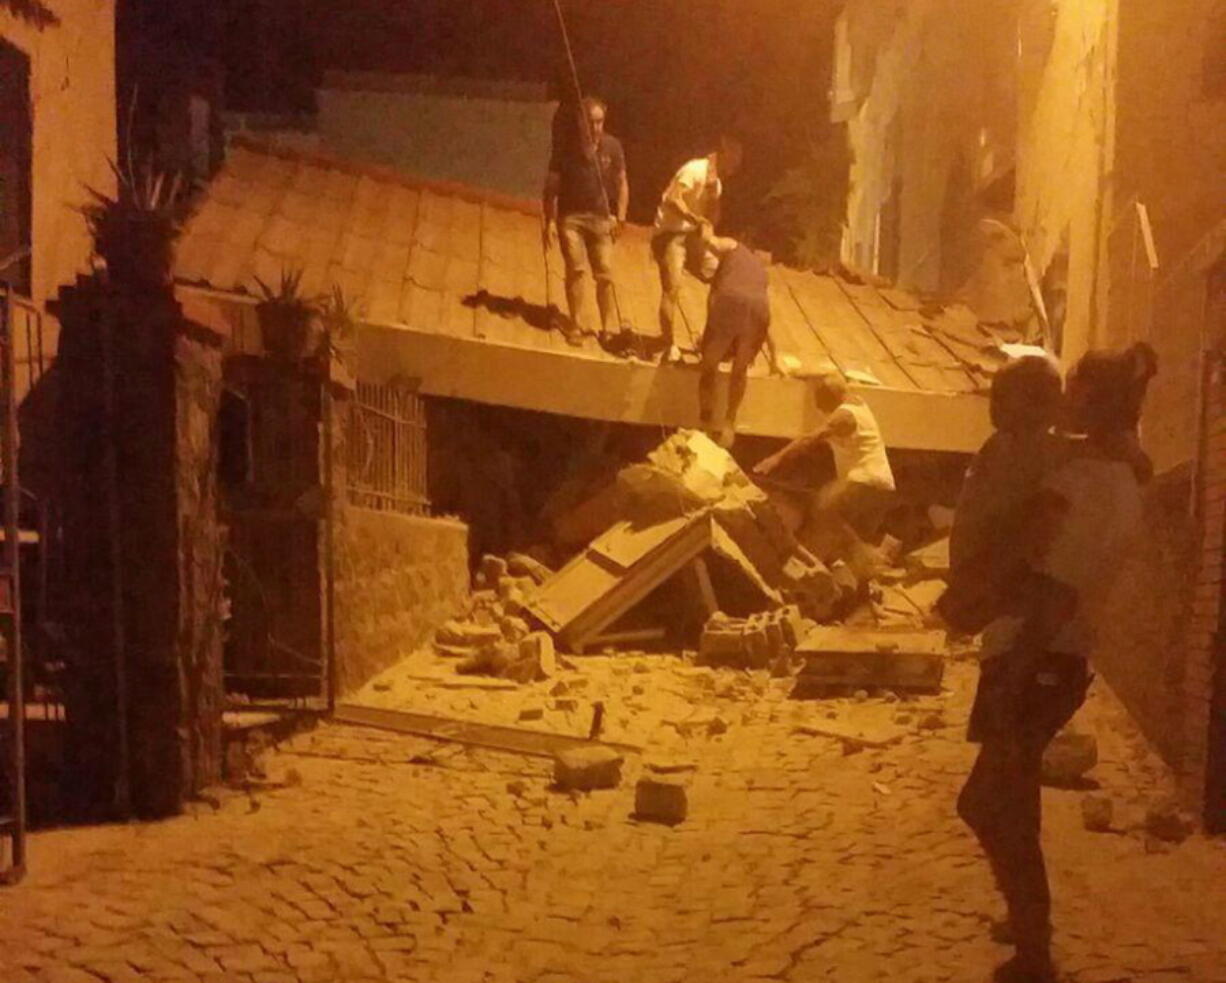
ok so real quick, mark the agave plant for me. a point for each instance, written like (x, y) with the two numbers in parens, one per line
(286, 317)
(135, 229)
(339, 314)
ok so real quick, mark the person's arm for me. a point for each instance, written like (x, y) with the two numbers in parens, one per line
(841, 422)
(623, 197)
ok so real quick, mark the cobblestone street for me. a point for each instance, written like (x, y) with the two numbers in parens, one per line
(373, 856)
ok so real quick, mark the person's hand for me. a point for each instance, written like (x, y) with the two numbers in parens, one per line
(548, 233)
(767, 465)
(615, 227)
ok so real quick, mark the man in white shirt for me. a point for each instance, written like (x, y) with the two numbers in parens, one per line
(863, 489)
(690, 203)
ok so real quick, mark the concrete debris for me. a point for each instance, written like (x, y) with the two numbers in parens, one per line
(661, 799)
(1068, 757)
(855, 658)
(754, 642)
(490, 572)
(585, 769)
(1097, 812)
(1167, 822)
(523, 565)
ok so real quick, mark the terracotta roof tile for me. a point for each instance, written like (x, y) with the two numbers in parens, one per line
(424, 254)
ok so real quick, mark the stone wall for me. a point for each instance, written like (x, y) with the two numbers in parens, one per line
(397, 578)
(138, 390)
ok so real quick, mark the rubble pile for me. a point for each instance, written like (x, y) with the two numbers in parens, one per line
(761, 641)
(747, 591)
(493, 638)
(689, 473)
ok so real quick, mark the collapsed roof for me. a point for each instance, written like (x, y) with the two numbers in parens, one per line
(454, 289)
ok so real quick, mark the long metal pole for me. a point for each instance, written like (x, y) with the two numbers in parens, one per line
(329, 486)
(12, 495)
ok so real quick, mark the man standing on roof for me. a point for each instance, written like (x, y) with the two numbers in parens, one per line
(856, 501)
(586, 196)
(688, 212)
(738, 322)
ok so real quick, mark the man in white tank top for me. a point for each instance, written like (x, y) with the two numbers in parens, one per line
(863, 488)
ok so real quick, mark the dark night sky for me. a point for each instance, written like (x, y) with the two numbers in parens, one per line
(674, 71)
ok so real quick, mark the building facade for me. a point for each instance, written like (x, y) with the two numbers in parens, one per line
(1060, 166)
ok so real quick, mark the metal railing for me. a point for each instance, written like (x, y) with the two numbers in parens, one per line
(385, 449)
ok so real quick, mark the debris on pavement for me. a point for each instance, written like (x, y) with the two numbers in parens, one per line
(1097, 813)
(661, 798)
(838, 656)
(1068, 757)
(584, 769)
(1167, 822)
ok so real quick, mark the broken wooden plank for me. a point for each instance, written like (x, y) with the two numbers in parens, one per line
(876, 738)
(494, 737)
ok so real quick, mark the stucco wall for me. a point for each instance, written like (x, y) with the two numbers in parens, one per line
(397, 578)
(1064, 149)
(490, 143)
(72, 89)
(900, 131)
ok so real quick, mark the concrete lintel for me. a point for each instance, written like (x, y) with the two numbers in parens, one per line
(620, 391)
(573, 384)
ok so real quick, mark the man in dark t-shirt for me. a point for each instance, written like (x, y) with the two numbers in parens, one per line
(586, 196)
(738, 322)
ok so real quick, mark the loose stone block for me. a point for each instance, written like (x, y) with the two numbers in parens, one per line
(1068, 757)
(661, 799)
(584, 769)
(1097, 811)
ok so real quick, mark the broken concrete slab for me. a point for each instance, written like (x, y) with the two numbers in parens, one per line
(661, 799)
(585, 769)
(864, 658)
(455, 634)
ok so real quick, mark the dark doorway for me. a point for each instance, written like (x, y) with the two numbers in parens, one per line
(16, 155)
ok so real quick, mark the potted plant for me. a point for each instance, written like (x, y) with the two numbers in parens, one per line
(287, 318)
(134, 231)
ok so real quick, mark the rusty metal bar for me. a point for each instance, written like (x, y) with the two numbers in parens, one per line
(13, 826)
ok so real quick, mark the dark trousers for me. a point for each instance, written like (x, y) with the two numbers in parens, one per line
(1015, 716)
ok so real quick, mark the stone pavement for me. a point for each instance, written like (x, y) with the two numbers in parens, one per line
(372, 856)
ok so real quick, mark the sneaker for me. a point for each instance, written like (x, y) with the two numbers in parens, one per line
(671, 356)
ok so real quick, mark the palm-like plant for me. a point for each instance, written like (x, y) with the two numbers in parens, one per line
(286, 315)
(135, 229)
